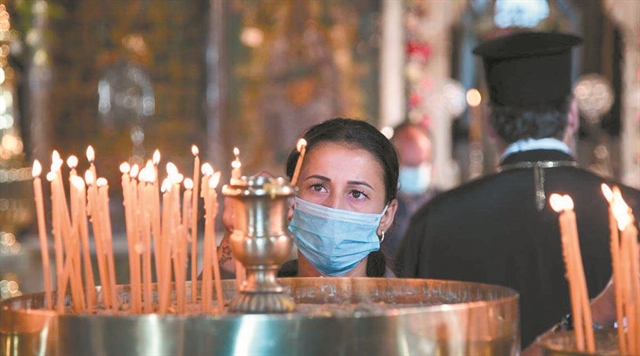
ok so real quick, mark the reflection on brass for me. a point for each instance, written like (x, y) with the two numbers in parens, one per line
(334, 316)
(562, 343)
(260, 241)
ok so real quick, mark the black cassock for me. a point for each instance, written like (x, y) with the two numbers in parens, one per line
(491, 231)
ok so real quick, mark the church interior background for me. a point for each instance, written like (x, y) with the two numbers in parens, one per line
(130, 77)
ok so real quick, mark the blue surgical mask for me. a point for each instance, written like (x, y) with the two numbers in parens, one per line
(415, 180)
(334, 241)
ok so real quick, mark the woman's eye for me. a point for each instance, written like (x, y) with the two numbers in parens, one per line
(316, 187)
(358, 194)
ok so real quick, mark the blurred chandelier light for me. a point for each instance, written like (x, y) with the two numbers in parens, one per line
(594, 95)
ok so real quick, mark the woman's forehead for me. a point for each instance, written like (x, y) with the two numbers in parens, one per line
(344, 160)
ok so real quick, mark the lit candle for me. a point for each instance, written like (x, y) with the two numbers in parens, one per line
(575, 272)
(213, 183)
(164, 282)
(629, 270)
(91, 156)
(187, 211)
(135, 231)
(83, 229)
(144, 200)
(616, 268)
(175, 240)
(128, 213)
(72, 162)
(103, 192)
(236, 172)
(301, 146)
(69, 235)
(194, 223)
(42, 233)
(57, 239)
(153, 197)
(206, 286)
(94, 204)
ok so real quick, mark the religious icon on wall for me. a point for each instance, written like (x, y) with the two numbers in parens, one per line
(295, 65)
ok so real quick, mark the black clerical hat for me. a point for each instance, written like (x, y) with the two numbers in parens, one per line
(528, 68)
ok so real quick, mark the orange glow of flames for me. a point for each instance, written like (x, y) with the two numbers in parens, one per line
(91, 155)
(72, 162)
(302, 143)
(188, 183)
(156, 157)
(102, 182)
(621, 210)
(77, 182)
(607, 192)
(215, 179)
(125, 168)
(88, 177)
(37, 169)
(207, 169)
(134, 171)
(560, 203)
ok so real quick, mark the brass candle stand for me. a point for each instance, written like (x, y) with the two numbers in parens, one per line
(260, 241)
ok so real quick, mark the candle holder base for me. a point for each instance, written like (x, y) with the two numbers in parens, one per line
(259, 303)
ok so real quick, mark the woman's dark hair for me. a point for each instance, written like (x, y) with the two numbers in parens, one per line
(359, 134)
(513, 123)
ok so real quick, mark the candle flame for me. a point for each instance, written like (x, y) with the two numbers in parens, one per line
(621, 210)
(88, 177)
(77, 182)
(568, 202)
(125, 168)
(55, 156)
(37, 169)
(56, 165)
(166, 186)
(176, 178)
(51, 176)
(151, 172)
(302, 143)
(213, 182)
(188, 183)
(236, 152)
(194, 150)
(607, 192)
(556, 202)
(135, 169)
(560, 203)
(72, 162)
(171, 169)
(151, 175)
(156, 157)
(142, 176)
(207, 169)
(91, 155)
(101, 182)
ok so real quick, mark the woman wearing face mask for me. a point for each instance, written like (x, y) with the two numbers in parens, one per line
(346, 202)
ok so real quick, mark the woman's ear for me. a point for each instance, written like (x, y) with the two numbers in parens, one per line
(387, 218)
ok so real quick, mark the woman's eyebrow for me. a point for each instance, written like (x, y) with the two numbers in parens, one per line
(317, 176)
(356, 182)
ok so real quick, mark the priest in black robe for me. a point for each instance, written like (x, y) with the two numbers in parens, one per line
(500, 229)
